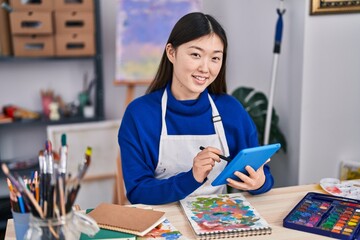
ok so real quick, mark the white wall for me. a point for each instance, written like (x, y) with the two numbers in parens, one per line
(330, 129)
(317, 91)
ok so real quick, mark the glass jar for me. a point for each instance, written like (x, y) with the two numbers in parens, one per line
(66, 227)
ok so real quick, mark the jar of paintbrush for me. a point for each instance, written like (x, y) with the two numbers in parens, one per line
(66, 227)
(50, 196)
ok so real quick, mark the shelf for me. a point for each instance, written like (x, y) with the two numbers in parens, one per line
(99, 91)
(24, 59)
(46, 122)
(22, 126)
(19, 128)
(26, 171)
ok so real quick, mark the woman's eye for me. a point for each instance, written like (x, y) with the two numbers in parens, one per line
(216, 59)
(195, 55)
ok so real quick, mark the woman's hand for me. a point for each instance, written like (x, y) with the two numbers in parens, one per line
(252, 182)
(204, 162)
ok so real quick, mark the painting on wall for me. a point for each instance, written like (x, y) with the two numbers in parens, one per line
(143, 28)
(334, 6)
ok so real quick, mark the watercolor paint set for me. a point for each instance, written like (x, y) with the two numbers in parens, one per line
(327, 215)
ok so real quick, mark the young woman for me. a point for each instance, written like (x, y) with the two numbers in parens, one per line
(185, 107)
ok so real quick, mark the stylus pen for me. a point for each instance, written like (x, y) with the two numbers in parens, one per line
(221, 156)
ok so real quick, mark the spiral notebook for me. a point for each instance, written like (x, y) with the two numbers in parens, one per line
(137, 221)
(223, 216)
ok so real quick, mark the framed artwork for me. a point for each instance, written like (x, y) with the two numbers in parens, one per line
(334, 6)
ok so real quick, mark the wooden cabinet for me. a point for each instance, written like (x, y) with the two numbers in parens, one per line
(23, 139)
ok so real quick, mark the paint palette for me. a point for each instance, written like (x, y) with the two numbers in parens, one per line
(327, 215)
(349, 189)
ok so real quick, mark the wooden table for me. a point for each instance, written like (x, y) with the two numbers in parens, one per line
(273, 206)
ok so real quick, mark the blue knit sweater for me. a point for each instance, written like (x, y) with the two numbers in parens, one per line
(139, 137)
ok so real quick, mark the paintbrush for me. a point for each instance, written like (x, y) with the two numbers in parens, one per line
(20, 185)
(12, 179)
(63, 156)
(81, 173)
(30, 196)
(85, 164)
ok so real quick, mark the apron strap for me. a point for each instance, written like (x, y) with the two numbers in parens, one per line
(219, 127)
(163, 113)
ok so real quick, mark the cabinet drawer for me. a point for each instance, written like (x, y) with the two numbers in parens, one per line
(74, 5)
(69, 22)
(76, 44)
(31, 22)
(39, 5)
(33, 45)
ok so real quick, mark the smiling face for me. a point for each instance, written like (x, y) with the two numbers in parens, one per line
(196, 65)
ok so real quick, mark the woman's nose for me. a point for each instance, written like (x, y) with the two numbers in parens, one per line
(203, 67)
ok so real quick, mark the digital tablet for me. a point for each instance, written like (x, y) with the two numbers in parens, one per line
(254, 157)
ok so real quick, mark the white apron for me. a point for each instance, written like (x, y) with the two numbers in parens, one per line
(176, 152)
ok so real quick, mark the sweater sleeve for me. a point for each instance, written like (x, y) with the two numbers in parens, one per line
(139, 162)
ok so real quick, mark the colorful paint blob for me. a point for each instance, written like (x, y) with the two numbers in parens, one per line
(222, 214)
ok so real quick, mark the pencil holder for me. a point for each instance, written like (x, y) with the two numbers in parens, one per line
(21, 223)
(66, 227)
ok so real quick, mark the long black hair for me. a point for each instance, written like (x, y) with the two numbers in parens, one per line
(191, 26)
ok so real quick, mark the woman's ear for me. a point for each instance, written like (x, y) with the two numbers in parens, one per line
(170, 52)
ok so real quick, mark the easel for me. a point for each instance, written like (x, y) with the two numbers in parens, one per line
(130, 91)
(119, 190)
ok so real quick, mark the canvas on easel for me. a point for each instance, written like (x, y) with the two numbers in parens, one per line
(141, 36)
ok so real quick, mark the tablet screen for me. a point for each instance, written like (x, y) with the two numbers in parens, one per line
(254, 157)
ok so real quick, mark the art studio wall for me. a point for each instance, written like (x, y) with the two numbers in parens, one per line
(317, 89)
